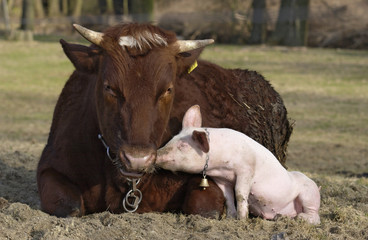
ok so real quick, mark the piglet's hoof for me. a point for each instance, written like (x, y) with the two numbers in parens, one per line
(275, 218)
(279, 236)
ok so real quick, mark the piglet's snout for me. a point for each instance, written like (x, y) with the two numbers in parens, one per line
(163, 156)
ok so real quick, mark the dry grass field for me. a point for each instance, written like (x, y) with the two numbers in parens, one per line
(325, 92)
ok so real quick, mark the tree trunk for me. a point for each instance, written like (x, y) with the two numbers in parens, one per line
(39, 11)
(65, 7)
(302, 13)
(126, 7)
(25, 32)
(291, 28)
(258, 34)
(53, 8)
(6, 18)
(76, 8)
(27, 20)
(6, 15)
(142, 10)
(106, 6)
(118, 6)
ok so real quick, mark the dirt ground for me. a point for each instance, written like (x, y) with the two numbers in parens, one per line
(343, 211)
(344, 193)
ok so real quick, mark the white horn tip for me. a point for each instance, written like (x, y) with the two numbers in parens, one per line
(187, 45)
(92, 36)
(76, 26)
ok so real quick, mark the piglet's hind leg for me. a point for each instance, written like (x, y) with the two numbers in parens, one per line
(309, 198)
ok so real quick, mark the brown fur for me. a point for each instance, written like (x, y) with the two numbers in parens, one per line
(136, 98)
(239, 99)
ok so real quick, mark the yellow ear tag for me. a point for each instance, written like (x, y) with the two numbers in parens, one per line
(194, 65)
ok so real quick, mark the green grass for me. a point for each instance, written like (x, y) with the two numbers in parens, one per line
(32, 76)
(325, 92)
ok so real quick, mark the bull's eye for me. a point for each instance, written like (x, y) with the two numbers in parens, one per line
(109, 90)
(107, 87)
(167, 94)
(169, 90)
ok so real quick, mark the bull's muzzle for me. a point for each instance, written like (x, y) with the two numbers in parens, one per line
(138, 162)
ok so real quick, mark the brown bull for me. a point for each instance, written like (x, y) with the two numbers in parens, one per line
(126, 98)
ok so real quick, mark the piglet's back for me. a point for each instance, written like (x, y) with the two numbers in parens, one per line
(240, 146)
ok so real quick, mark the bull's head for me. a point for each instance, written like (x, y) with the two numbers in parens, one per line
(137, 68)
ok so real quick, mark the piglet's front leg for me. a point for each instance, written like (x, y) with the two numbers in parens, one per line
(242, 190)
(228, 192)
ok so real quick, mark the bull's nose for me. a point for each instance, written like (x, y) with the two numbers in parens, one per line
(139, 163)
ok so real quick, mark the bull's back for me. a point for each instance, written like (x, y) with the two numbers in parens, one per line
(233, 98)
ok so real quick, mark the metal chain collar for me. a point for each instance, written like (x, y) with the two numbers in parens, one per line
(205, 167)
(207, 157)
(134, 196)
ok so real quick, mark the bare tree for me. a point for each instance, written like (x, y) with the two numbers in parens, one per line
(39, 10)
(142, 10)
(6, 17)
(106, 6)
(53, 8)
(126, 7)
(291, 27)
(75, 8)
(27, 19)
(258, 34)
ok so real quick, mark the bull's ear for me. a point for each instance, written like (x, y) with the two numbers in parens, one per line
(192, 117)
(201, 139)
(187, 59)
(83, 58)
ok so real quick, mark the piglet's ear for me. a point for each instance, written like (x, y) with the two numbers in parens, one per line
(192, 117)
(201, 139)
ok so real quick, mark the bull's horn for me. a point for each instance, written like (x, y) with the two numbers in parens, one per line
(187, 45)
(92, 36)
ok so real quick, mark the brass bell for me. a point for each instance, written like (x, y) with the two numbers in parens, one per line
(204, 183)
